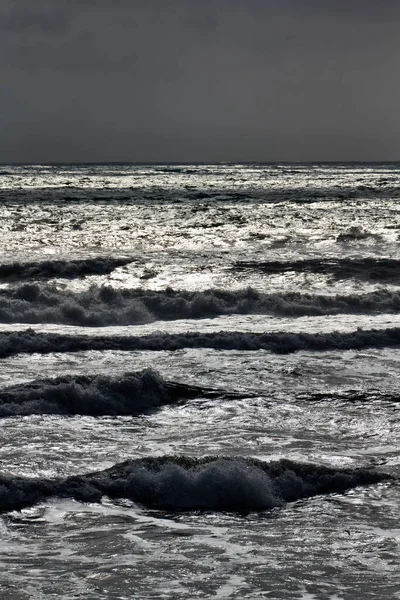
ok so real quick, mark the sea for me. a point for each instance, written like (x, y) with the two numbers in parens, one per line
(199, 381)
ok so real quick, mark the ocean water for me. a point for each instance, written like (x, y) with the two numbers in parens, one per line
(199, 382)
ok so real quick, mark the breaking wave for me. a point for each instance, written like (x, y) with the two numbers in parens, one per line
(367, 269)
(127, 394)
(183, 483)
(68, 269)
(29, 341)
(105, 305)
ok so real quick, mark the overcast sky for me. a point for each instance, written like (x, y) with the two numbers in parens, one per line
(207, 80)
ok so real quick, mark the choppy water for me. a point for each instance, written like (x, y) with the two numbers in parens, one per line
(199, 389)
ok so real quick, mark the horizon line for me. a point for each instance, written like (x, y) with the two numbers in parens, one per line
(198, 162)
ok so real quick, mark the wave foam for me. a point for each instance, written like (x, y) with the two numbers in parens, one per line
(183, 483)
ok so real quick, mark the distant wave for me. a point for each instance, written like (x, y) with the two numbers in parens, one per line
(366, 269)
(29, 341)
(183, 483)
(127, 394)
(69, 269)
(160, 195)
(101, 306)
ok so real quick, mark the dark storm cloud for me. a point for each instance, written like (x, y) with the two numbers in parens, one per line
(191, 80)
(42, 16)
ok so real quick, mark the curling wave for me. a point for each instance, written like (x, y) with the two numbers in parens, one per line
(184, 483)
(29, 341)
(102, 306)
(366, 269)
(67, 269)
(127, 394)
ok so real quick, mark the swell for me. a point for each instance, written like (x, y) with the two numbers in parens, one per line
(105, 305)
(365, 269)
(184, 483)
(126, 394)
(29, 341)
(67, 269)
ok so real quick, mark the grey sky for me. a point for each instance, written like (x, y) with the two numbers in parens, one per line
(99, 80)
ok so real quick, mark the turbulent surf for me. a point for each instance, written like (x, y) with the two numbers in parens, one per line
(199, 385)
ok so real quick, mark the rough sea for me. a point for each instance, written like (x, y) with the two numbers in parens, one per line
(199, 381)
